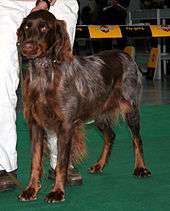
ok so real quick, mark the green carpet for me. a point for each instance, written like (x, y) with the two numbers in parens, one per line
(116, 189)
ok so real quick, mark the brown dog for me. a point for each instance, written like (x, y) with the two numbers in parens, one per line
(61, 92)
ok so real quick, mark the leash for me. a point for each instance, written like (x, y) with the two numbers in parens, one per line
(21, 74)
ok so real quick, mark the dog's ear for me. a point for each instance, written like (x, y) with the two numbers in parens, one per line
(20, 31)
(62, 44)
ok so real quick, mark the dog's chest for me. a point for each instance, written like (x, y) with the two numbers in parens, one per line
(41, 103)
(44, 112)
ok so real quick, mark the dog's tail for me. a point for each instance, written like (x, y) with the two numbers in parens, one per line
(78, 148)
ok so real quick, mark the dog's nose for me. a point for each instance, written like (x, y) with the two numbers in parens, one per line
(28, 46)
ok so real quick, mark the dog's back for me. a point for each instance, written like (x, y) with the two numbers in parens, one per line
(100, 83)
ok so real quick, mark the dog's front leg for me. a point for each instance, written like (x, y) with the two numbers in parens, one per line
(37, 138)
(64, 147)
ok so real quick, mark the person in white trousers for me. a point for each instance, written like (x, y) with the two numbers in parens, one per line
(12, 13)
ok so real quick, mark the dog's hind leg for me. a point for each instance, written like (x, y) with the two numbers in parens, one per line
(37, 136)
(133, 120)
(109, 136)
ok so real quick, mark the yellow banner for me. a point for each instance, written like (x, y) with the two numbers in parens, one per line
(153, 59)
(105, 31)
(160, 31)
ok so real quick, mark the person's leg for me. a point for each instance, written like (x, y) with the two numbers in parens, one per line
(10, 18)
(67, 10)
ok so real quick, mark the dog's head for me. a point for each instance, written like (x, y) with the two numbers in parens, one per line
(41, 34)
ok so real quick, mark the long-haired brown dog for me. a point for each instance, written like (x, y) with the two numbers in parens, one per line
(62, 91)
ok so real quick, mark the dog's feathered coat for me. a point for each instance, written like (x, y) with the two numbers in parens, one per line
(62, 91)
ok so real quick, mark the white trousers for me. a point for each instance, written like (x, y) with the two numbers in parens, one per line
(12, 13)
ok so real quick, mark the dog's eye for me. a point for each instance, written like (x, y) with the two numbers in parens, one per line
(26, 27)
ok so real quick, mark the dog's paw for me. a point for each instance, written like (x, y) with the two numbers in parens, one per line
(142, 172)
(57, 196)
(97, 168)
(30, 194)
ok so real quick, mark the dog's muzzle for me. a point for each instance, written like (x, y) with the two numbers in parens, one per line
(29, 49)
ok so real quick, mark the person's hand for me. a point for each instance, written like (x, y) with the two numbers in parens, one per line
(114, 2)
(42, 5)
